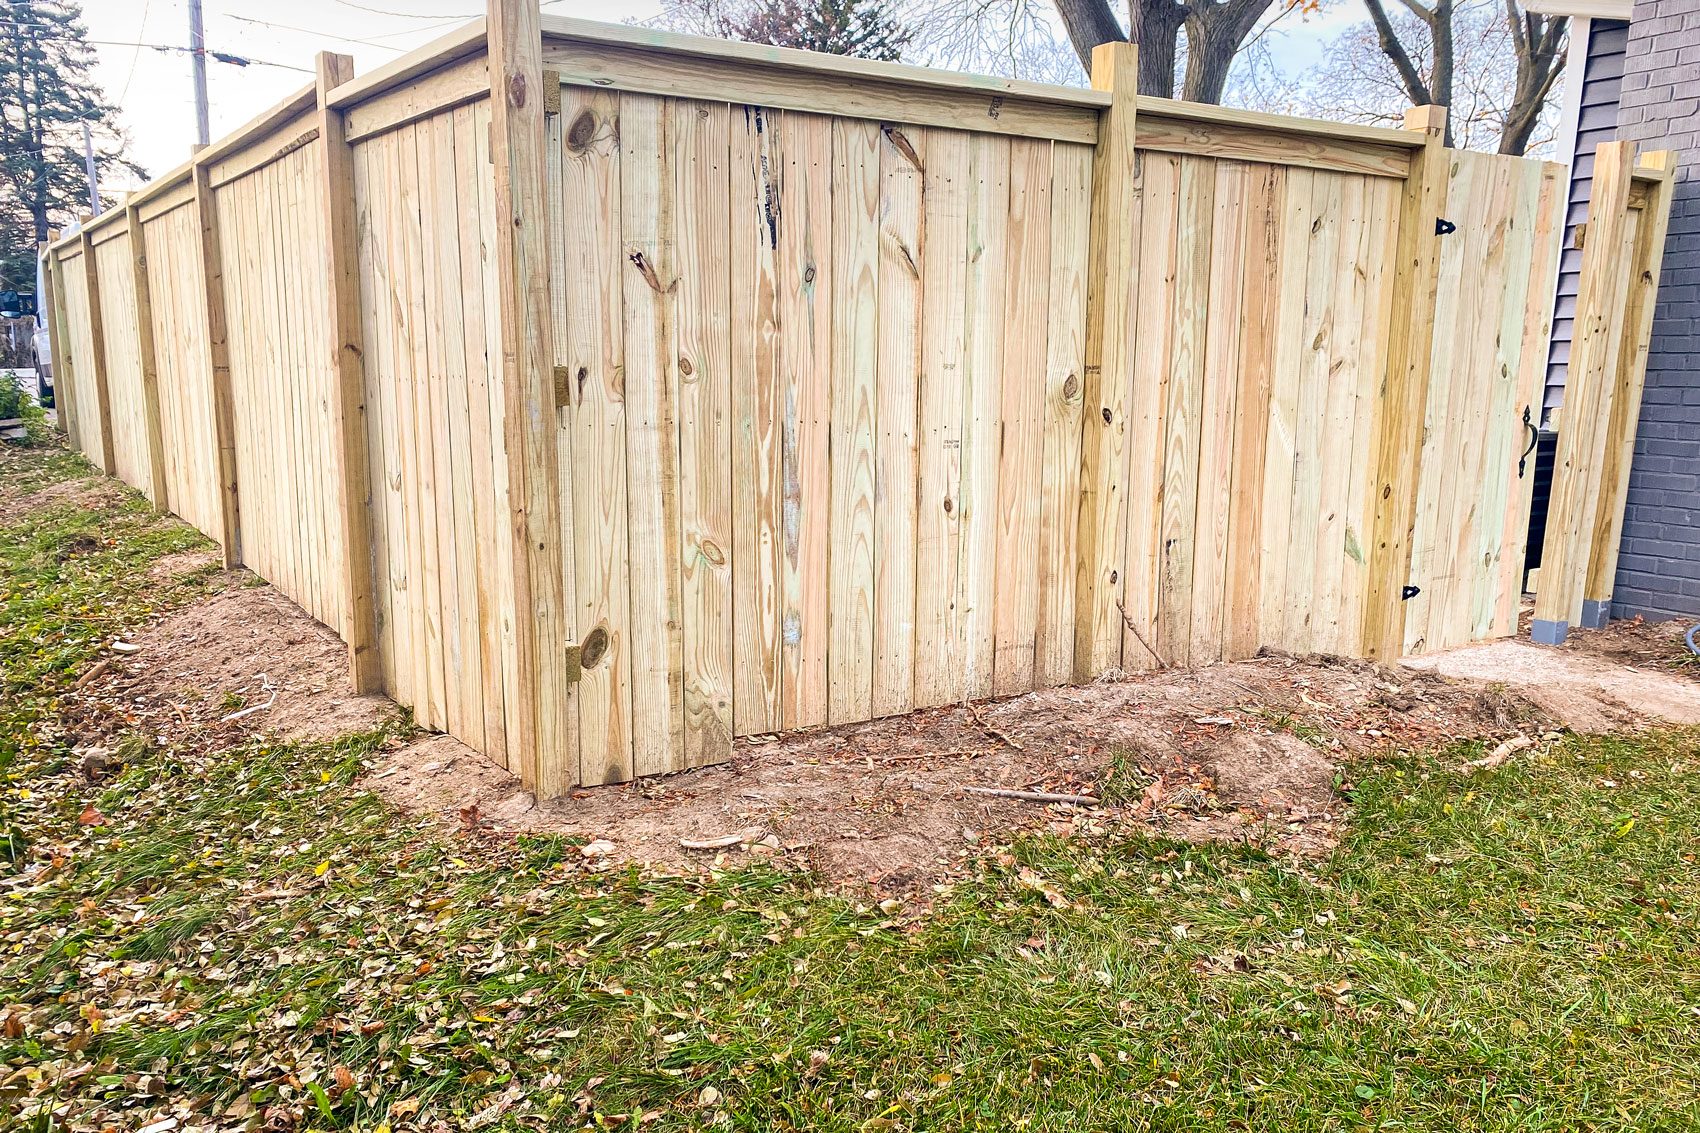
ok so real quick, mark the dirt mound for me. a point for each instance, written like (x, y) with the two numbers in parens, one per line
(246, 649)
(1249, 751)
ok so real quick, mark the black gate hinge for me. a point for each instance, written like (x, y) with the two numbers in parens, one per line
(1444, 227)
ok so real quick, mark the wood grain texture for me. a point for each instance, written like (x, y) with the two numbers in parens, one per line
(1112, 281)
(547, 734)
(855, 335)
(702, 151)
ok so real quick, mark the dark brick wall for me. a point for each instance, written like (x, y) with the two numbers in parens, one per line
(1658, 568)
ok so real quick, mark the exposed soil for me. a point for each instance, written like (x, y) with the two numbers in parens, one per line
(195, 668)
(1586, 682)
(94, 493)
(1654, 646)
(1252, 751)
(1247, 752)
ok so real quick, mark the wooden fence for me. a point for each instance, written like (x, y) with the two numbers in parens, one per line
(687, 390)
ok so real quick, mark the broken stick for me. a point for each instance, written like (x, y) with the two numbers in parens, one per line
(1034, 796)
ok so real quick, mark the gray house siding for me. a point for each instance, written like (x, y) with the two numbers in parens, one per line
(1596, 122)
(1658, 571)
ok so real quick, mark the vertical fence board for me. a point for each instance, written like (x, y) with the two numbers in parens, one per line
(898, 358)
(757, 168)
(1020, 472)
(1065, 362)
(701, 151)
(595, 362)
(648, 214)
(938, 664)
(855, 333)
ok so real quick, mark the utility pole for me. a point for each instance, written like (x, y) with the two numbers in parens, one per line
(198, 54)
(88, 167)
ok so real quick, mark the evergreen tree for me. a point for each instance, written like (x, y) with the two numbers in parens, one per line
(46, 94)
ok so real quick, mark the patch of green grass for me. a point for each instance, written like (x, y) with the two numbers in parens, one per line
(250, 933)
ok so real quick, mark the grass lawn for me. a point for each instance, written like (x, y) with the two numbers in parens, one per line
(247, 938)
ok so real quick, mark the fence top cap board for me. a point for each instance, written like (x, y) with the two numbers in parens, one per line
(559, 30)
(567, 29)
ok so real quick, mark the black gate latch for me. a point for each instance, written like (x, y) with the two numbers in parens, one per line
(1444, 227)
(1406, 593)
(1534, 439)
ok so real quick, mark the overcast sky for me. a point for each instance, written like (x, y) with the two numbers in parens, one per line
(154, 92)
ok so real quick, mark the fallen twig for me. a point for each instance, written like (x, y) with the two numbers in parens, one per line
(1499, 754)
(1034, 796)
(99, 668)
(719, 843)
(1133, 629)
(991, 731)
(265, 683)
(909, 757)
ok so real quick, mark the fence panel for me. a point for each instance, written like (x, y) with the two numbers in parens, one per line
(1263, 294)
(1628, 217)
(441, 541)
(834, 434)
(83, 392)
(189, 434)
(281, 377)
(121, 342)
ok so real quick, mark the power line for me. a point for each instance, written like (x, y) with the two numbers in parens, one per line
(135, 55)
(308, 31)
(403, 15)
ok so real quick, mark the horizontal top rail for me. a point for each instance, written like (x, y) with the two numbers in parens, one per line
(468, 39)
(1204, 112)
(258, 126)
(559, 29)
(651, 61)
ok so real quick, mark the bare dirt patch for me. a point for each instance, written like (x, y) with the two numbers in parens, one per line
(242, 648)
(1250, 752)
(1254, 751)
(1654, 646)
(174, 568)
(1584, 684)
(94, 493)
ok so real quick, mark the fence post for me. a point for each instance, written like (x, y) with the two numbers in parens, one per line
(149, 364)
(97, 352)
(1113, 252)
(348, 419)
(546, 745)
(218, 364)
(53, 277)
(1404, 387)
(1659, 169)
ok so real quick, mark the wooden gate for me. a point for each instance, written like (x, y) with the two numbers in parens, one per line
(1493, 315)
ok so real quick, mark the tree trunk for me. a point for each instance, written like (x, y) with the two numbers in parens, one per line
(1434, 89)
(1154, 25)
(1089, 23)
(1538, 41)
(1214, 33)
